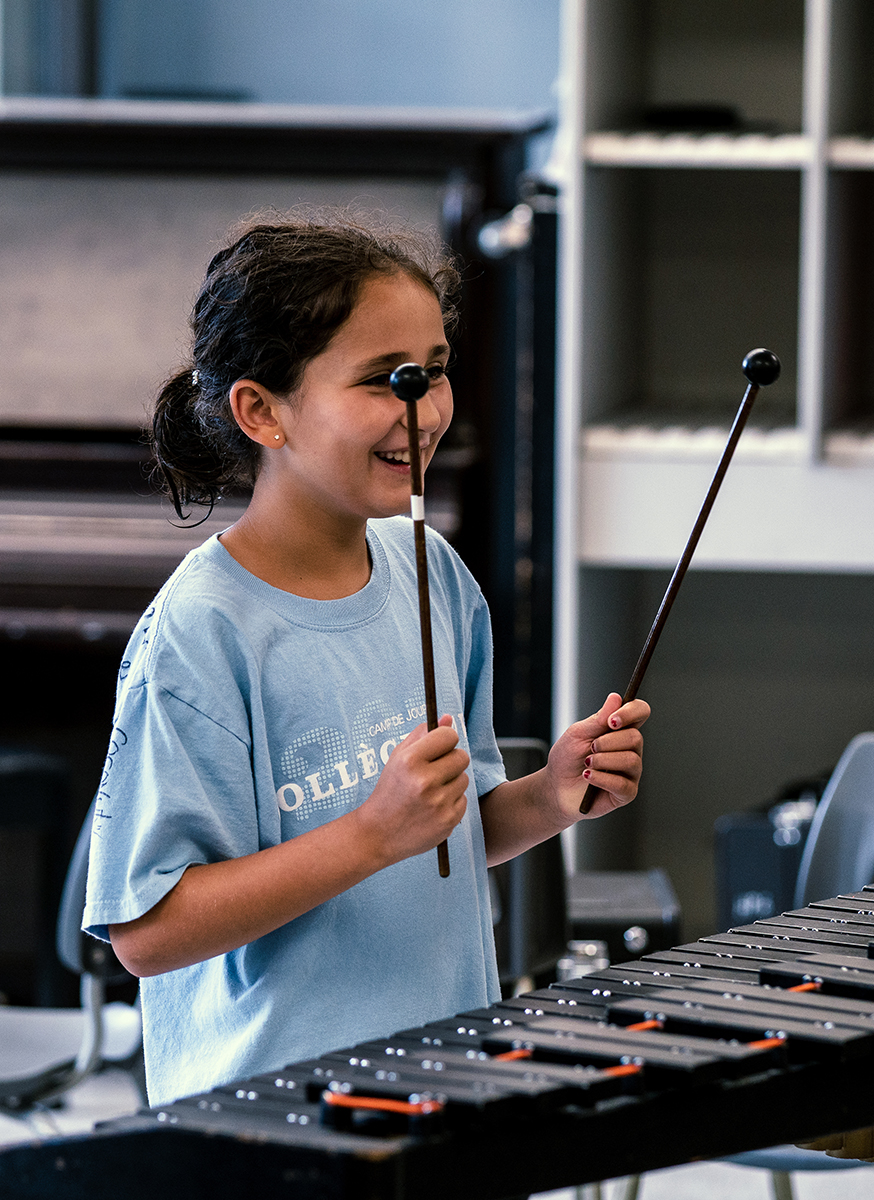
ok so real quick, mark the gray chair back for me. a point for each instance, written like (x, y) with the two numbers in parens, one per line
(79, 951)
(839, 853)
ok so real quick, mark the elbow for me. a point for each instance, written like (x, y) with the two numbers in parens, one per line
(136, 950)
(168, 936)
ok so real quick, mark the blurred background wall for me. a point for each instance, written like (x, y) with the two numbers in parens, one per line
(457, 53)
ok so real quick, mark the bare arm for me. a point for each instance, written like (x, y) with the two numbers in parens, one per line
(604, 751)
(217, 907)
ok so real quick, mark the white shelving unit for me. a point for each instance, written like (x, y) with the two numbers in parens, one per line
(683, 250)
(683, 246)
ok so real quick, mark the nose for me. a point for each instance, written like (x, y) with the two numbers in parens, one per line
(427, 414)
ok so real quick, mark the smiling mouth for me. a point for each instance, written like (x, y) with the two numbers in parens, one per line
(401, 457)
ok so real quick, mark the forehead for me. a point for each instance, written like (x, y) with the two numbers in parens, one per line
(392, 313)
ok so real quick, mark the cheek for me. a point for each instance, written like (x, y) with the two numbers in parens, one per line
(446, 407)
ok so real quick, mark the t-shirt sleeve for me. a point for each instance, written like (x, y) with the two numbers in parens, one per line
(176, 789)
(486, 761)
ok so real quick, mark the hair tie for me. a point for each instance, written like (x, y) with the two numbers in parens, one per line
(195, 378)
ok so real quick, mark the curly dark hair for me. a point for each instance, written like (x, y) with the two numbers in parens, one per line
(271, 302)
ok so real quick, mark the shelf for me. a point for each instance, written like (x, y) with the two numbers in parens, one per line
(642, 490)
(678, 443)
(682, 444)
(849, 152)
(718, 150)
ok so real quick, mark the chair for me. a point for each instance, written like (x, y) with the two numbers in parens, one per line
(838, 857)
(46, 1051)
(839, 854)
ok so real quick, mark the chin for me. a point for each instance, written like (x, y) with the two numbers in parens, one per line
(398, 506)
(398, 510)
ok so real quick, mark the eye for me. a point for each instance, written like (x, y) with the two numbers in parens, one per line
(383, 380)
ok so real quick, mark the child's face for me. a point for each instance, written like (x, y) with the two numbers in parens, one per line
(346, 432)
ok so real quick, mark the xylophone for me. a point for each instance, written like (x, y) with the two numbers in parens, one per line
(761, 1035)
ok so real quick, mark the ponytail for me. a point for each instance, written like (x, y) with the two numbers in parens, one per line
(196, 460)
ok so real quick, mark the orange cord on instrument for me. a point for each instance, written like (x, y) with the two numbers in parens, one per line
(763, 1044)
(624, 1069)
(812, 986)
(383, 1104)
(766, 1043)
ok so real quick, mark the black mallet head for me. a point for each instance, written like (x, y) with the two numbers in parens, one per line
(409, 381)
(761, 367)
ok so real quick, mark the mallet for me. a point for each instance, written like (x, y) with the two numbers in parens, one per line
(761, 367)
(410, 383)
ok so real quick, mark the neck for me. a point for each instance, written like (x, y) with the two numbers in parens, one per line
(318, 560)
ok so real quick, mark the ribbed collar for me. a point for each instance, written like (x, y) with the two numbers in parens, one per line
(351, 610)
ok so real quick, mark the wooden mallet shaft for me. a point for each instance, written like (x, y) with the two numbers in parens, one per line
(761, 367)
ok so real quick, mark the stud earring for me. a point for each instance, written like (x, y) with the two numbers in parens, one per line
(276, 437)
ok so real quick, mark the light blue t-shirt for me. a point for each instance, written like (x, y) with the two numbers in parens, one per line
(246, 715)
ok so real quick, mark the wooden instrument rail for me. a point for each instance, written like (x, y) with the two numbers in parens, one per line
(757, 1036)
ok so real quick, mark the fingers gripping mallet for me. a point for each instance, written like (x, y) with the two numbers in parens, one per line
(761, 367)
(410, 383)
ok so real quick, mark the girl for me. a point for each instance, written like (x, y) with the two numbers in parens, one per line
(262, 850)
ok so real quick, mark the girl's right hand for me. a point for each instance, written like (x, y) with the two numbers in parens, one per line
(420, 795)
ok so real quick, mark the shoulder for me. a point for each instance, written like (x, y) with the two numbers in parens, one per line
(453, 589)
(204, 587)
(198, 612)
(396, 536)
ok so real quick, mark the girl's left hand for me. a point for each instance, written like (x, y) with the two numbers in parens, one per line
(604, 751)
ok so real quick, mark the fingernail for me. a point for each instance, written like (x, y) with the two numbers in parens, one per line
(587, 774)
(615, 722)
(589, 761)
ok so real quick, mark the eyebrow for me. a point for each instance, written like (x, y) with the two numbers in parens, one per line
(394, 359)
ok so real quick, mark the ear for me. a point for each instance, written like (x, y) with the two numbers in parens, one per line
(254, 409)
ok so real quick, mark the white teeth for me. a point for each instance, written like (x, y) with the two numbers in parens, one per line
(400, 456)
